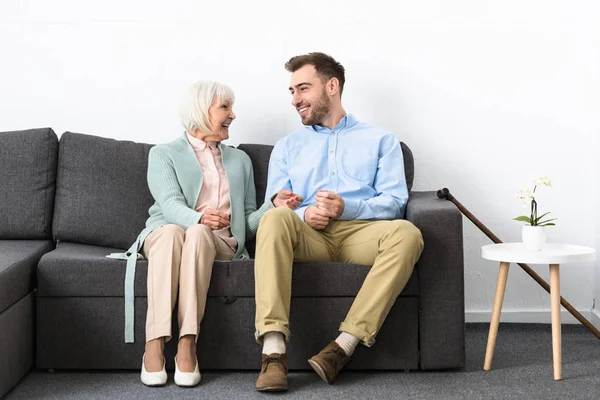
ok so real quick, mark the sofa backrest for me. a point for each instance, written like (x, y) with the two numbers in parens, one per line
(27, 183)
(409, 165)
(102, 195)
(260, 154)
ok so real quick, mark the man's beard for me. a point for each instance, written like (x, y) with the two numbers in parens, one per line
(319, 110)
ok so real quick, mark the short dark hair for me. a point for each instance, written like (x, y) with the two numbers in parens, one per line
(325, 65)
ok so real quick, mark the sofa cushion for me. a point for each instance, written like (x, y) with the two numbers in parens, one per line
(259, 155)
(102, 196)
(18, 260)
(83, 270)
(409, 165)
(27, 182)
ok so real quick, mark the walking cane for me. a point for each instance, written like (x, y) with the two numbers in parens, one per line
(445, 194)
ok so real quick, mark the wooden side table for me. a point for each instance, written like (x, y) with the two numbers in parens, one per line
(552, 254)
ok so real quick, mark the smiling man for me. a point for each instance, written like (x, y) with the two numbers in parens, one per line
(351, 177)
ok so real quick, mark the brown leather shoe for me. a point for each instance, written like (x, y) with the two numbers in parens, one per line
(329, 362)
(273, 373)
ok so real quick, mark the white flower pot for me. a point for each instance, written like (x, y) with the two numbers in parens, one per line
(534, 237)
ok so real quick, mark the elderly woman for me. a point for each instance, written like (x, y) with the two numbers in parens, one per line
(205, 210)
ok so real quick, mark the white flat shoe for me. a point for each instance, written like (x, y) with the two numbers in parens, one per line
(187, 379)
(153, 378)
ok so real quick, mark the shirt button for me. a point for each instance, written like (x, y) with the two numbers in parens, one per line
(333, 173)
(331, 152)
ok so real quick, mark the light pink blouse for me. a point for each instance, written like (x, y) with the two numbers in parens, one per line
(215, 186)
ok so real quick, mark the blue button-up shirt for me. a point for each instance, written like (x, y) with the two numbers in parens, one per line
(361, 163)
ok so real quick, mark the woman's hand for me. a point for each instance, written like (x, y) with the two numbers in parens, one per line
(214, 219)
(287, 198)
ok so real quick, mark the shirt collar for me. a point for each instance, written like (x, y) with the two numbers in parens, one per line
(347, 122)
(200, 144)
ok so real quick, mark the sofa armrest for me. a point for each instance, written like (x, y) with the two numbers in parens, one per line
(441, 281)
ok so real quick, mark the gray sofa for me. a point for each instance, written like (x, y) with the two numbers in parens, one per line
(101, 204)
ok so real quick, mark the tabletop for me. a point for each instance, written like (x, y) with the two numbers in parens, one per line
(551, 253)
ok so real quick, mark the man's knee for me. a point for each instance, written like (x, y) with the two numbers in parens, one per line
(415, 236)
(277, 217)
(407, 233)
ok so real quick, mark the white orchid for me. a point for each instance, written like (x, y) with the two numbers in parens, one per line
(527, 196)
(542, 181)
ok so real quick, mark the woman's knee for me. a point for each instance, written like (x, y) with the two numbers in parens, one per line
(170, 233)
(198, 232)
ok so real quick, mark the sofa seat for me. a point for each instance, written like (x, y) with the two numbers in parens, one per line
(79, 270)
(78, 286)
(18, 262)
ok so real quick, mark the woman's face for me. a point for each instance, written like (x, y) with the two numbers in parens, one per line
(221, 115)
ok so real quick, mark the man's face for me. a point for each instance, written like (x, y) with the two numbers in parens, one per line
(309, 96)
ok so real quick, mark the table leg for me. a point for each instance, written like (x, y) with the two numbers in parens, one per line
(498, 299)
(556, 327)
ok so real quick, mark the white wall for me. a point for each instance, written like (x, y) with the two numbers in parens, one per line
(596, 312)
(486, 93)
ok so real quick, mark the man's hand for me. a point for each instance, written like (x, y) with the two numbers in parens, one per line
(316, 218)
(214, 219)
(331, 203)
(287, 198)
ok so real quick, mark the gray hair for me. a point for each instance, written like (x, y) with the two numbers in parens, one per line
(193, 110)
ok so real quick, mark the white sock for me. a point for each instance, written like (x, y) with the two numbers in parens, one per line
(347, 342)
(273, 343)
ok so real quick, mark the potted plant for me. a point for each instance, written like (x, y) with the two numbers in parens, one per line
(534, 232)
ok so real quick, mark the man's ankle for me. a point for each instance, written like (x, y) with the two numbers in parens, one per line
(347, 342)
(273, 342)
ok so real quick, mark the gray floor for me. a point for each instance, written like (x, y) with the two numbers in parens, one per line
(522, 370)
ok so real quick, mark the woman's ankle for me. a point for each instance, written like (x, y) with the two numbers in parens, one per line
(187, 345)
(155, 347)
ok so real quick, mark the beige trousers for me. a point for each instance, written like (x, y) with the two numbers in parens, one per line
(179, 268)
(391, 247)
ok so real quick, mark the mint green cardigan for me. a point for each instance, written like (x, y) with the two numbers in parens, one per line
(175, 180)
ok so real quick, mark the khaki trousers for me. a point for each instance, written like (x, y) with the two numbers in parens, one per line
(180, 263)
(391, 247)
